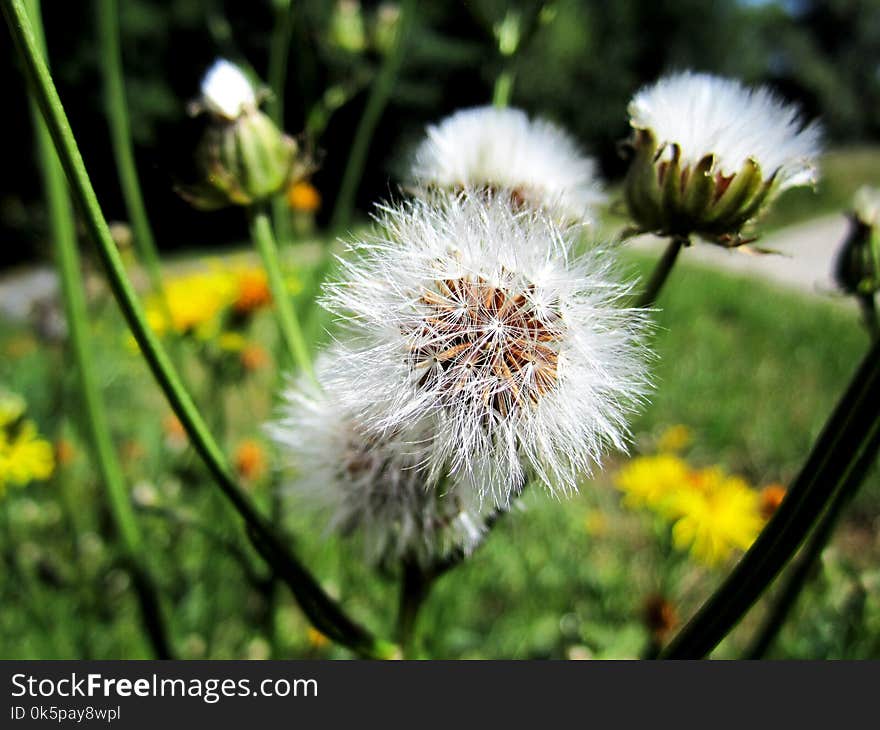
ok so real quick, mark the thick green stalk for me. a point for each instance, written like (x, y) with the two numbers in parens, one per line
(661, 272)
(120, 138)
(503, 89)
(279, 52)
(288, 324)
(63, 233)
(319, 607)
(847, 430)
(378, 98)
(811, 552)
(415, 583)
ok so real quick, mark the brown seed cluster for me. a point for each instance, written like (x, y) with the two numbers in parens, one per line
(487, 342)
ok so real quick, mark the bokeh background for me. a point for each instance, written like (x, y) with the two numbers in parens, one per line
(746, 373)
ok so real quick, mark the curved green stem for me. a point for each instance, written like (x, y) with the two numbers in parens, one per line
(850, 426)
(661, 272)
(63, 232)
(503, 88)
(318, 606)
(808, 557)
(378, 98)
(288, 324)
(120, 138)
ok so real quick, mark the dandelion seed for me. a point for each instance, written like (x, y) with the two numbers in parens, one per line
(535, 162)
(474, 319)
(369, 483)
(711, 153)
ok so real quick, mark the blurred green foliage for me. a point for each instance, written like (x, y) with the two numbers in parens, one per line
(578, 63)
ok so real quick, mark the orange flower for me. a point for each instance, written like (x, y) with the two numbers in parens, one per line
(64, 452)
(317, 640)
(660, 616)
(253, 291)
(250, 460)
(175, 434)
(302, 196)
(253, 358)
(771, 497)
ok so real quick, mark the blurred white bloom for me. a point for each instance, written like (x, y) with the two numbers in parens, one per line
(866, 205)
(501, 149)
(226, 91)
(368, 483)
(706, 114)
(475, 319)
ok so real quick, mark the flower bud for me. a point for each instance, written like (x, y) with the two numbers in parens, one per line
(668, 196)
(710, 154)
(857, 269)
(242, 157)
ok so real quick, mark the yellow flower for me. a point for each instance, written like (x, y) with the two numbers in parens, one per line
(675, 438)
(649, 481)
(232, 342)
(24, 456)
(715, 515)
(194, 302)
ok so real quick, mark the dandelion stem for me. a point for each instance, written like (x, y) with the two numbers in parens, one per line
(503, 89)
(376, 101)
(279, 51)
(868, 305)
(415, 584)
(120, 138)
(854, 423)
(288, 323)
(661, 271)
(810, 553)
(63, 232)
(325, 613)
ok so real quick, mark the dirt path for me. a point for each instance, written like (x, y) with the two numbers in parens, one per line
(804, 262)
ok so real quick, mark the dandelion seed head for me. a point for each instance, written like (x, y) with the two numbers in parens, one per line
(369, 483)
(474, 321)
(705, 114)
(535, 161)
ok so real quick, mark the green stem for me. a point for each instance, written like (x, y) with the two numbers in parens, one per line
(415, 584)
(868, 305)
(325, 613)
(376, 102)
(279, 52)
(288, 324)
(120, 138)
(808, 557)
(95, 416)
(850, 425)
(661, 272)
(503, 89)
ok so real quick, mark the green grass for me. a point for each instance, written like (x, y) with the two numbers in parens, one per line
(752, 370)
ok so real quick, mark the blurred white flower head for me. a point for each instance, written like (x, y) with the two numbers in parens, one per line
(368, 483)
(226, 91)
(711, 115)
(538, 163)
(474, 321)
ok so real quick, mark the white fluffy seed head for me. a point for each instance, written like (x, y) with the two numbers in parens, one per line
(226, 91)
(367, 483)
(706, 114)
(474, 322)
(535, 161)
